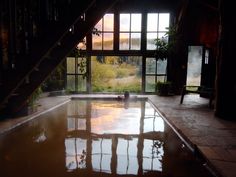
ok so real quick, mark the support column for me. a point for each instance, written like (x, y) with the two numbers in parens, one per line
(226, 69)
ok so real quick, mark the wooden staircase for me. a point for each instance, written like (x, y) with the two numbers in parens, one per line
(48, 51)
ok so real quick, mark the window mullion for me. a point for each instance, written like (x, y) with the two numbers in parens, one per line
(130, 31)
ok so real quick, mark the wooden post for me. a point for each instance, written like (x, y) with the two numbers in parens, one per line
(226, 72)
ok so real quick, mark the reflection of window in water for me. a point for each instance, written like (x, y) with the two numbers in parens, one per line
(76, 124)
(127, 161)
(75, 153)
(152, 155)
(152, 120)
(101, 155)
(76, 115)
(77, 108)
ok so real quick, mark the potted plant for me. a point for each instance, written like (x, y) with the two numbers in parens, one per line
(163, 88)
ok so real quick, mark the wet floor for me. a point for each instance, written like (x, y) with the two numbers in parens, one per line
(98, 138)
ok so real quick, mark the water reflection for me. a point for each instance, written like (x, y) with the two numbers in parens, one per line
(90, 138)
(114, 134)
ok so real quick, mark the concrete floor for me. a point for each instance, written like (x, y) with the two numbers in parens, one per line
(212, 137)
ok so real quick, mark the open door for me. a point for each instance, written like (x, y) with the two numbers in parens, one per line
(194, 66)
(200, 68)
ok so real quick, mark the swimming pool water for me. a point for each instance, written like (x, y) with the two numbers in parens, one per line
(98, 137)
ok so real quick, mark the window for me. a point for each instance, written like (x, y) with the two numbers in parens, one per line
(194, 67)
(116, 73)
(127, 161)
(101, 155)
(103, 33)
(76, 74)
(152, 161)
(130, 32)
(152, 120)
(116, 51)
(75, 153)
(157, 26)
(155, 71)
(76, 116)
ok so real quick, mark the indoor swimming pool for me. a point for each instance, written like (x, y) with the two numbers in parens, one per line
(95, 137)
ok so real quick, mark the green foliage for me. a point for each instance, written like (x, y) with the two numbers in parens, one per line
(161, 48)
(34, 97)
(134, 87)
(102, 73)
(113, 77)
(166, 44)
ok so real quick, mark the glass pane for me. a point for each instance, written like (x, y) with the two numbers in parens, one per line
(124, 41)
(81, 65)
(116, 74)
(161, 66)
(151, 41)
(152, 20)
(206, 61)
(161, 78)
(97, 42)
(81, 83)
(162, 35)
(109, 22)
(124, 22)
(135, 41)
(70, 83)
(98, 26)
(108, 41)
(164, 20)
(70, 61)
(150, 84)
(136, 22)
(194, 65)
(150, 65)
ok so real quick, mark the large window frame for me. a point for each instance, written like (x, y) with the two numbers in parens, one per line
(142, 51)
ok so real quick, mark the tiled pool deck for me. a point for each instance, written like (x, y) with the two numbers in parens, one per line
(214, 138)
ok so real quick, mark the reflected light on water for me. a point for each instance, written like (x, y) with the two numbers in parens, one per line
(97, 138)
(115, 119)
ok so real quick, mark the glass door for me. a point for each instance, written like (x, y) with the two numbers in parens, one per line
(194, 67)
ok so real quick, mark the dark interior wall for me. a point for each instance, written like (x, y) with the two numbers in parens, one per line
(148, 5)
(198, 26)
(4, 34)
(201, 25)
(226, 72)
